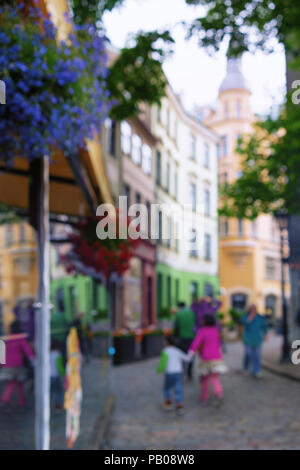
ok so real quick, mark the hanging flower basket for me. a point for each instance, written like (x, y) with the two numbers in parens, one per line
(56, 92)
(91, 254)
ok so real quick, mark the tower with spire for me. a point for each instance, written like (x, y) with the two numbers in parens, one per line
(248, 251)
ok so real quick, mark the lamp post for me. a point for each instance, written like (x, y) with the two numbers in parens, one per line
(282, 219)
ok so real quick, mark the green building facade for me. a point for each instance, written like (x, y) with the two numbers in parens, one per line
(175, 286)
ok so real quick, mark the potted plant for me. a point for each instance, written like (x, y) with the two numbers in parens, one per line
(236, 317)
(152, 343)
(124, 344)
(165, 318)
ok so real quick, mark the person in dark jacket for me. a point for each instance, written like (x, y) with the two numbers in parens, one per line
(255, 330)
(184, 330)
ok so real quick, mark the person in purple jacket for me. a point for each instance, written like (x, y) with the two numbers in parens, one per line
(17, 347)
(205, 306)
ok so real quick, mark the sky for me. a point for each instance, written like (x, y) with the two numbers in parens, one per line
(191, 72)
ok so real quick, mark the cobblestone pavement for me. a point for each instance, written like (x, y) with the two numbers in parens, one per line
(256, 414)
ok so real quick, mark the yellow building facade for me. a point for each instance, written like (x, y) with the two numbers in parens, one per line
(18, 269)
(249, 251)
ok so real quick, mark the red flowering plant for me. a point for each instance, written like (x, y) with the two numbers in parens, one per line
(103, 257)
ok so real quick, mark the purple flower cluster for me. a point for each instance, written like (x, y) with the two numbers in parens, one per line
(55, 93)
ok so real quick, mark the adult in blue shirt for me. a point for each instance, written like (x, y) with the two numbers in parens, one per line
(255, 330)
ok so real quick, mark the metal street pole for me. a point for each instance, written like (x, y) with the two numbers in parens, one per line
(285, 353)
(42, 317)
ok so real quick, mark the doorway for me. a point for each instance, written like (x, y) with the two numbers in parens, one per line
(239, 301)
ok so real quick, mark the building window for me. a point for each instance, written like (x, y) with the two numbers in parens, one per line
(160, 227)
(239, 301)
(168, 176)
(147, 159)
(176, 184)
(127, 193)
(159, 281)
(169, 291)
(193, 240)
(9, 235)
(271, 268)
(226, 110)
(240, 227)
(158, 168)
(224, 145)
(206, 155)
(22, 233)
(194, 291)
(60, 300)
(136, 149)
(193, 196)
(239, 174)
(175, 130)
(192, 147)
(148, 205)
(207, 247)
(111, 136)
(138, 198)
(226, 227)
(168, 121)
(238, 109)
(208, 289)
(207, 202)
(125, 138)
(158, 113)
(177, 291)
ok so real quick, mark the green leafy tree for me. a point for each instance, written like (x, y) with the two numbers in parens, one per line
(270, 157)
(247, 25)
(270, 166)
(135, 76)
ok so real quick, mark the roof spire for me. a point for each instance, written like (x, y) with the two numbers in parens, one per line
(234, 78)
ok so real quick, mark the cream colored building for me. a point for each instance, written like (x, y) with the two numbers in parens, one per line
(249, 251)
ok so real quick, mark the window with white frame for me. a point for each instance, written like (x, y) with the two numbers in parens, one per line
(126, 137)
(193, 195)
(271, 268)
(206, 155)
(192, 147)
(147, 159)
(238, 109)
(193, 241)
(224, 145)
(207, 202)
(207, 247)
(136, 149)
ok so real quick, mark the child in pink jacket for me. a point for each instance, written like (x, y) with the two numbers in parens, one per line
(208, 342)
(17, 347)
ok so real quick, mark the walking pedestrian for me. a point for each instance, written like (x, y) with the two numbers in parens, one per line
(17, 348)
(205, 306)
(57, 374)
(255, 330)
(184, 330)
(171, 363)
(208, 343)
